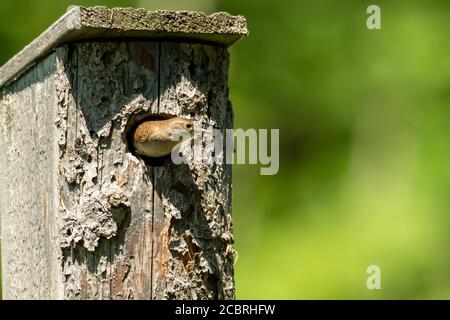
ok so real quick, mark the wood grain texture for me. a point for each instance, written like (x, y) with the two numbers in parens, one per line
(29, 194)
(83, 217)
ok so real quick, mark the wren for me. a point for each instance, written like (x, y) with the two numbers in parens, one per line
(157, 138)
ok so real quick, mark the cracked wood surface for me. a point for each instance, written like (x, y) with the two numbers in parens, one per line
(84, 218)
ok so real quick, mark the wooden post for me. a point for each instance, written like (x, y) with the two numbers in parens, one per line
(81, 216)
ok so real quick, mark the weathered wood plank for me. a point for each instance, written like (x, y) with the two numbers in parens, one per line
(114, 80)
(29, 199)
(100, 22)
(192, 227)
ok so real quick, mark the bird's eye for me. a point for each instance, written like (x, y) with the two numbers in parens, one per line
(189, 126)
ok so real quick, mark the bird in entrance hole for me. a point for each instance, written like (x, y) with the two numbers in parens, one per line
(157, 138)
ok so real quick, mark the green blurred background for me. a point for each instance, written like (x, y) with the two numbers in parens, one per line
(364, 142)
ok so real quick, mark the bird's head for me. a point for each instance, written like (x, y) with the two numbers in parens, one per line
(180, 127)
